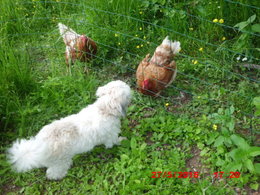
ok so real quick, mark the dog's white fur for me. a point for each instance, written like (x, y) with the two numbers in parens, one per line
(55, 145)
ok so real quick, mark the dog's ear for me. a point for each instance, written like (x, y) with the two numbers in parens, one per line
(114, 98)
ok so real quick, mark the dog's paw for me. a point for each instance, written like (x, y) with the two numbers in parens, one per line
(55, 174)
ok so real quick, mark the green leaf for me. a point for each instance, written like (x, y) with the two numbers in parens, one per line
(212, 138)
(133, 143)
(254, 151)
(256, 102)
(242, 25)
(249, 165)
(233, 167)
(204, 151)
(220, 162)
(257, 168)
(124, 157)
(237, 154)
(256, 28)
(251, 19)
(231, 125)
(232, 109)
(219, 141)
(254, 186)
(143, 146)
(239, 141)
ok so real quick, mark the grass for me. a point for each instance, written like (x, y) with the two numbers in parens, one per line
(209, 127)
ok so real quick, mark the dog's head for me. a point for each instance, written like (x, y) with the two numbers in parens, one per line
(114, 98)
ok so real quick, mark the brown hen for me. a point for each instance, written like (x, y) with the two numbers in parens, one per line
(155, 74)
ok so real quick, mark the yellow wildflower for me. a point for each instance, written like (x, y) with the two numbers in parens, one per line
(144, 37)
(148, 42)
(167, 104)
(116, 35)
(141, 12)
(215, 127)
(223, 38)
(137, 46)
(136, 35)
(191, 29)
(215, 20)
(118, 43)
(194, 61)
(221, 21)
(142, 45)
(201, 49)
(140, 28)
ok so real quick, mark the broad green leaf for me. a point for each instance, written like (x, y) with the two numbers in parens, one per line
(254, 151)
(133, 143)
(251, 19)
(257, 168)
(219, 141)
(220, 150)
(232, 109)
(220, 162)
(233, 167)
(256, 28)
(239, 141)
(204, 151)
(254, 186)
(228, 141)
(231, 125)
(143, 146)
(242, 25)
(249, 165)
(212, 138)
(124, 157)
(237, 154)
(256, 101)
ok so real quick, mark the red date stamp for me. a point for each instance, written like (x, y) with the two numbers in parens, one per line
(219, 175)
(170, 174)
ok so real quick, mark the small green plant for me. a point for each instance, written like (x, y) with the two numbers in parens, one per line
(244, 41)
(243, 156)
(256, 102)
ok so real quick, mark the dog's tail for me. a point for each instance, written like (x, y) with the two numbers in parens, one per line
(25, 155)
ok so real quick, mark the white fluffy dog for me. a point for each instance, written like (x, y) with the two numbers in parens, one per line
(55, 145)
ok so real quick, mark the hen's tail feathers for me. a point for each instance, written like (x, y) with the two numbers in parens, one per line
(25, 155)
(67, 33)
(175, 46)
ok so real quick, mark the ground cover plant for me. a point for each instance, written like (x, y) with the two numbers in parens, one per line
(207, 121)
